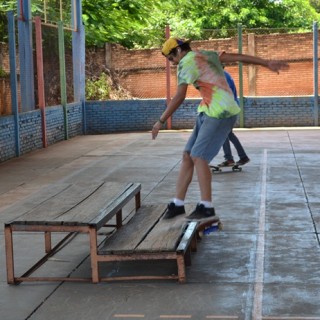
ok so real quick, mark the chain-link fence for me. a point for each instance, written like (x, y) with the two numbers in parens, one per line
(53, 59)
(57, 73)
(5, 92)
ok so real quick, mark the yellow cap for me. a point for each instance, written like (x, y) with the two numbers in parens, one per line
(172, 43)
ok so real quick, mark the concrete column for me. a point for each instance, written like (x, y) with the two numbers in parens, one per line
(252, 68)
(108, 55)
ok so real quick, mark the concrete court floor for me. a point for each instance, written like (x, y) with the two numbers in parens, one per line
(265, 264)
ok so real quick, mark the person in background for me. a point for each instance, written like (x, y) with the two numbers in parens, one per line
(243, 158)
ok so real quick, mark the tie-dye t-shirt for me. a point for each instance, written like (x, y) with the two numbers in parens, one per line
(204, 70)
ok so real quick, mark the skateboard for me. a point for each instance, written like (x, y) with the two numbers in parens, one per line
(210, 225)
(234, 168)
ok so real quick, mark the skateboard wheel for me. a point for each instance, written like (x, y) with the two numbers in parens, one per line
(215, 169)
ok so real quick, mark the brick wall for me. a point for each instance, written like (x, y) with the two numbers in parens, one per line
(142, 72)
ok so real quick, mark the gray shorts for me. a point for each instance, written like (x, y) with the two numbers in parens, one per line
(208, 136)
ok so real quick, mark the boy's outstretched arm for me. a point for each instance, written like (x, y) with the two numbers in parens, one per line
(172, 106)
(273, 65)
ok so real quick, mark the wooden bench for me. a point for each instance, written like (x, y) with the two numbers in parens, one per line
(68, 208)
(148, 237)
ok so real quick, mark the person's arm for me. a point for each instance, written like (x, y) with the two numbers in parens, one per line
(273, 65)
(171, 108)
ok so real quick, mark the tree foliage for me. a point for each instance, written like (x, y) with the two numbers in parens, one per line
(141, 23)
(315, 4)
(120, 21)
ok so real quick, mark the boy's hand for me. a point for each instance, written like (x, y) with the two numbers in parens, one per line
(155, 129)
(276, 65)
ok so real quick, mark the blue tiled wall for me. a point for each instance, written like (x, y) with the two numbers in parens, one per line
(278, 112)
(127, 115)
(116, 116)
(30, 129)
(139, 115)
(54, 124)
(7, 138)
(74, 119)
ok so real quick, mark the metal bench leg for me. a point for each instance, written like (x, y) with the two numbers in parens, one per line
(94, 255)
(187, 257)
(9, 254)
(138, 200)
(194, 243)
(47, 241)
(119, 219)
(181, 268)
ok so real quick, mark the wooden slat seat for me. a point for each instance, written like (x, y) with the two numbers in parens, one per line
(68, 208)
(86, 208)
(148, 237)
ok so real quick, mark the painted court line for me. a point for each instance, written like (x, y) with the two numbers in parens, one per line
(128, 316)
(290, 318)
(221, 317)
(258, 286)
(171, 316)
(180, 316)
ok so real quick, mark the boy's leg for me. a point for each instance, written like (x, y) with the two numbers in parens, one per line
(211, 135)
(204, 178)
(227, 149)
(235, 141)
(185, 176)
(176, 207)
(227, 154)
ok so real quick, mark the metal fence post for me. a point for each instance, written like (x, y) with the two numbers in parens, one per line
(315, 73)
(240, 76)
(13, 79)
(168, 75)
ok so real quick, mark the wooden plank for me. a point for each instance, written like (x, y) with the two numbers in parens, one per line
(76, 204)
(187, 236)
(33, 201)
(165, 236)
(117, 204)
(56, 206)
(93, 209)
(130, 235)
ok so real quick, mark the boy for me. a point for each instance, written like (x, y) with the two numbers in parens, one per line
(217, 114)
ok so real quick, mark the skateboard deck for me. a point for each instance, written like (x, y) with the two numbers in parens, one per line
(209, 225)
(220, 169)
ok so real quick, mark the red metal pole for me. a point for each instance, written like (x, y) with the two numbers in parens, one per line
(168, 93)
(41, 95)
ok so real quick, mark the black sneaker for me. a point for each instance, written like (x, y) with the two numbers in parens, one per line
(173, 211)
(201, 213)
(227, 163)
(242, 161)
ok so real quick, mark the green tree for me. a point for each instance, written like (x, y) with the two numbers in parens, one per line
(226, 14)
(121, 21)
(315, 4)
(4, 8)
